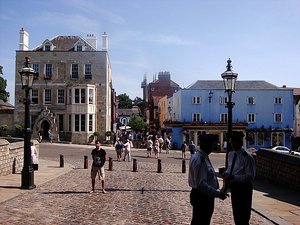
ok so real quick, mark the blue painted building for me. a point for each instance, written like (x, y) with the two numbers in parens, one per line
(264, 112)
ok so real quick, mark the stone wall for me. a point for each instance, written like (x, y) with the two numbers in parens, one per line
(12, 156)
(280, 169)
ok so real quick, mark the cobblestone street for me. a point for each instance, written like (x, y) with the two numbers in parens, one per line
(142, 197)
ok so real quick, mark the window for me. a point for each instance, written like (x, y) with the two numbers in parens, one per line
(88, 71)
(251, 100)
(91, 96)
(260, 139)
(48, 71)
(79, 122)
(60, 96)
(70, 123)
(47, 48)
(82, 95)
(223, 100)
(196, 100)
(277, 138)
(223, 117)
(251, 118)
(277, 117)
(196, 117)
(60, 122)
(90, 122)
(74, 72)
(36, 67)
(79, 95)
(34, 96)
(79, 48)
(82, 121)
(251, 138)
(278, 100)
(70, 96)
(47, 96)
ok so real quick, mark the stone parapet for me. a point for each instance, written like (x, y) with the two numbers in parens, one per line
(278, 168)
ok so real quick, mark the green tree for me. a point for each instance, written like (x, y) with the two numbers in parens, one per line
(124, 101)
(137, 123)
(139, 102)
(3, 83)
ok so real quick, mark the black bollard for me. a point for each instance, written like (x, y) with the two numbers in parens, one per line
(159, 166)
(14, 166)
(134, 165)
(85, 162)
(183, 166)
(110, 164)
(61, 161)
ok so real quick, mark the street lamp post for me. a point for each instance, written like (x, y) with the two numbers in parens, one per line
(229, 78)
(27, 76)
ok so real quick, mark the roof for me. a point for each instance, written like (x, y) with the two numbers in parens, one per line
(65, 43)
(5, 105)
(128, 112)
(240, 84)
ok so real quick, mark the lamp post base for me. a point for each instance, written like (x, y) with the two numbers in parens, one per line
(28, 179)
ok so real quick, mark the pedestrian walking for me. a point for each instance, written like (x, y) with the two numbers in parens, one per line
(156, 148)
(127, 150)
(184, 148)
(239, 177)
(149, 147)
(167, 143)
(50, 136)
(203, 181)
(119, 148)
(99, 158)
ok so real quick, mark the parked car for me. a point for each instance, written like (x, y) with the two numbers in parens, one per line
(282, 149)
(296, 152)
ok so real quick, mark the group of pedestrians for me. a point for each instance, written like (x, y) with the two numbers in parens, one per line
(156, 144)
(238, 177)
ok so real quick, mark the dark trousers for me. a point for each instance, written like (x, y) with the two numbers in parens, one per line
(241, 200)
(203, 208)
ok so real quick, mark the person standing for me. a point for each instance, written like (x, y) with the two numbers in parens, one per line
(239, 177)
(149, 147)
(203, 181)
(184, 148)
(118, 148)
(192, 148)
(34, 158)
(127, 150)
(99, 158)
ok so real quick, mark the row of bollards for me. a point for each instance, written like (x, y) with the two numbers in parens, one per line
(110, 164)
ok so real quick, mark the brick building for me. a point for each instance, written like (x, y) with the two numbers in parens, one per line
(73, 95)
(163, 86)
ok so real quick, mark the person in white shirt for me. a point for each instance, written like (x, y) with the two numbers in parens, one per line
(203, 181)
(239, 177)
(127, 150)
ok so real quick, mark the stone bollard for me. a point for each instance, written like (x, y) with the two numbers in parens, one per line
(183, 166)
(110, 164)
(134, 165)
(61, 161)
(159, 166)
(85, 162)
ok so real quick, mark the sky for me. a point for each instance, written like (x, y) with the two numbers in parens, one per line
(191, 39)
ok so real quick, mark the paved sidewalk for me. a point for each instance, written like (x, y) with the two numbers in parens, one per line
(141, 198)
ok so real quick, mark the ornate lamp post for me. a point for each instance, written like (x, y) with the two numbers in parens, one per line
(229, 78)
(27, 76)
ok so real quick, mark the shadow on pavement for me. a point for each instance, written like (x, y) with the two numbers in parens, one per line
(10, 187)
(277, 192)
